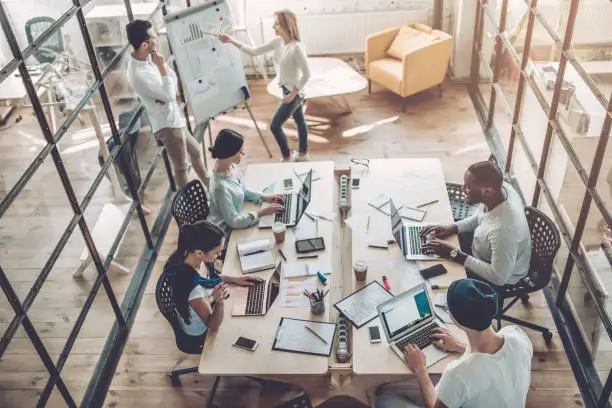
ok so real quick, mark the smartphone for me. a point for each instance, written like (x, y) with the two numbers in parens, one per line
(246, 344)
(288, 183)
(355, 182)
(411, 213)
(433, 271)
(303, 246)
(374, 334)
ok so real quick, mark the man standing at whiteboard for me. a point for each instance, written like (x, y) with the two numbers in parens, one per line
(156, 86)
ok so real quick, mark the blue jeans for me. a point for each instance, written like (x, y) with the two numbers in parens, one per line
(284, 111)
(392, 400)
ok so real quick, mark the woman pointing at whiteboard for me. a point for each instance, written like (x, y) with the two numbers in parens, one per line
(291, 63)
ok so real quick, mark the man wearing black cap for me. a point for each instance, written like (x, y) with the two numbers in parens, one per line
(494, 369)
(495, 241)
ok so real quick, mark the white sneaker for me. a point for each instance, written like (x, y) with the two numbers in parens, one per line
(289, 160)
(298, 158)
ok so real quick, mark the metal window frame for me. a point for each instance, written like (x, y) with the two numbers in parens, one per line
(124, 314)
(591, 387)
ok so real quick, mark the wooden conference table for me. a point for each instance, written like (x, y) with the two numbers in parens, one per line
(406, 181)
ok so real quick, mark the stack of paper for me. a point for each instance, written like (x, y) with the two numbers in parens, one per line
(256, 255)
(292, 270)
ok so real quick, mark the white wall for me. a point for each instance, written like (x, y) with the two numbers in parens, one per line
(22, 10)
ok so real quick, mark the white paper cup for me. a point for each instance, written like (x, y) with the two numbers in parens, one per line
(279, 228)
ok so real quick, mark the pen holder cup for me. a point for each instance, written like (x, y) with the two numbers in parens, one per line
(317, 308)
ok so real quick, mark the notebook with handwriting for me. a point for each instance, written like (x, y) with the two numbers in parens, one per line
(256, 255)
(304, 337)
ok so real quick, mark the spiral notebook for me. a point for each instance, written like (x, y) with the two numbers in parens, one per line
(256, 255)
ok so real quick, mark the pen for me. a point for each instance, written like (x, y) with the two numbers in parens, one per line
(307, 294)
(309, 216)
(368, 226)
(386, 282)
(325, 294)
(317, 232)
(316, 334)
(439, 286)
(306, 256)
(282, 254)
(427, 203)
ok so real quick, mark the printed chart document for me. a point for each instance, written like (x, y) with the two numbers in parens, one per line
(292, 290)
(360, 307)
(305, 337)
(256, 255)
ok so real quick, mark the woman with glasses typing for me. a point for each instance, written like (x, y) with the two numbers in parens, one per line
(198, 296)
(227, 189)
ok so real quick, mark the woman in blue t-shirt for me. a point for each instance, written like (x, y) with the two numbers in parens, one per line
(199, 295)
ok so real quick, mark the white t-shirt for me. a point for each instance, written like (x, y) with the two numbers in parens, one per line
(500, 380)
(196, 326)
(146, 80)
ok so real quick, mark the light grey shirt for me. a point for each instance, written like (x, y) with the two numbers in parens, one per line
(228, 193)
(501, 249)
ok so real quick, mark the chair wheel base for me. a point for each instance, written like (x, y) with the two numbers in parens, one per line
(175, 381)
(547, 335)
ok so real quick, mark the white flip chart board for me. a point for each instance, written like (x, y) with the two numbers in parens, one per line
(211, 72)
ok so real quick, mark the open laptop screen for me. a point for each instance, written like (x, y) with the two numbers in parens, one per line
(397, 227)
(406, 312)
(304, 195)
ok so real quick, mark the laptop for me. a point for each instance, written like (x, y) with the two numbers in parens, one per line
(256, 300)
(408, 237)
(408, 319)
(295, 206)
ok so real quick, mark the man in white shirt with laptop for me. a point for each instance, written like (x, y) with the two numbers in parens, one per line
(156, 86)
(494, 369)
(495, 240)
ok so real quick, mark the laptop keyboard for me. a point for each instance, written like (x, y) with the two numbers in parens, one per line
(422, 338)
(285, 216)
(255, 299)
(416, 241)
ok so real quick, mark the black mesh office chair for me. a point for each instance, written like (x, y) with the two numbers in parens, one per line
(185, 343)
(50, 49)
(545, 243)
(459, 206)
(190, 203)
(302, 401)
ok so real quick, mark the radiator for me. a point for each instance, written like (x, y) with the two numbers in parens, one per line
(345, 33)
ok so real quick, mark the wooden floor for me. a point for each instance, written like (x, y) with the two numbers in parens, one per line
(445, 128)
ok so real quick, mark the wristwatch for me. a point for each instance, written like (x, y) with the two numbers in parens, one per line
(453, 254)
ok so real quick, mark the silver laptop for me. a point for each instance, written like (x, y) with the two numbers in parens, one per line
(408, 237)
(409, 319)
(295, 206)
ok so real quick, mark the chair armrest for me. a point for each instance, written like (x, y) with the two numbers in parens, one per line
(426, 66)
(377, 45)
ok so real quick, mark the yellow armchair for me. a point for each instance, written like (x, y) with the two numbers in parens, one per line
(408, 59)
